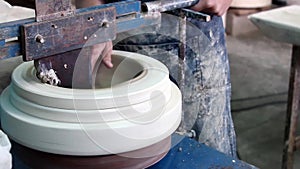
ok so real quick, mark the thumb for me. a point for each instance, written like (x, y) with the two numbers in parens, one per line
(199, 6)
(107, 52)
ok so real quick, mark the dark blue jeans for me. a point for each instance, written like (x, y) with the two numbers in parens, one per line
(202, 75)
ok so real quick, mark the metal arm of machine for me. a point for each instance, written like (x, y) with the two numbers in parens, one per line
(59, 33)
(58, 28)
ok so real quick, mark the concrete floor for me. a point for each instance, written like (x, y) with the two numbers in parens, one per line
(259, 75)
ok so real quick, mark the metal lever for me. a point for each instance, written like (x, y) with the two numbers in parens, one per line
(167, 5)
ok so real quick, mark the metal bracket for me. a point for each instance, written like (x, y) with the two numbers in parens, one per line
(195, 15)
(45, 9)
(50, 37)
(191, 14)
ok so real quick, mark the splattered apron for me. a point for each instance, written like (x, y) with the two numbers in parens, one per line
(202, 74)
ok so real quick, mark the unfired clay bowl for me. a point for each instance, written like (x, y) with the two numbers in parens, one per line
(140, 108)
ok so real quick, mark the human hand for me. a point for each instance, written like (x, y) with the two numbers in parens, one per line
(217, 7)
(88, 3)
(101, 53)
(103, 50)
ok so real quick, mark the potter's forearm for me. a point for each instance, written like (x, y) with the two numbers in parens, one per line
(103, 49)
(88, 3)
(218, 7)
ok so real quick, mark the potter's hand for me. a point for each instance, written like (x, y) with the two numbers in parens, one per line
(218, 7)
(102, 52)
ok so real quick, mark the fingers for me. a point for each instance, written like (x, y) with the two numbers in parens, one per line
(107, 52)
(217, 7)
(205, 4)
(102, 53)
(107, 62)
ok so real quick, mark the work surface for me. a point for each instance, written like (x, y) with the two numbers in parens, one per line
(186, 153)
(189, 154)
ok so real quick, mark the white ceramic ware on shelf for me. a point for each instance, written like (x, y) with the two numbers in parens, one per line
(250, 3)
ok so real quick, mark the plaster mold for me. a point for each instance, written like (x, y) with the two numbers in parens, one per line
(133, 106)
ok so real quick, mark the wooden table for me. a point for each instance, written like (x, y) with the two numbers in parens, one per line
(283, 24)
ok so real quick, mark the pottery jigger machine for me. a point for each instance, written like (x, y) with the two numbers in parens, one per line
(58, 33)
(58, 126)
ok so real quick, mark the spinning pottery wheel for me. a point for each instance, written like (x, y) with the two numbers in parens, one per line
(125, 122)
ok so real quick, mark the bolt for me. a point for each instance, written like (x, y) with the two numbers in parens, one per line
(90, 18)
(39, 38)
(104, 25)
(54, 26)
(191, 134)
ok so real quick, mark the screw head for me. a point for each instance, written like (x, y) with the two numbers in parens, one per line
(39, 38)
(54, 26)
(104, 25)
